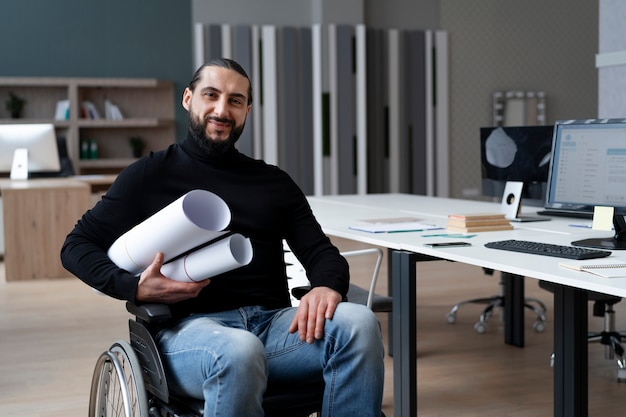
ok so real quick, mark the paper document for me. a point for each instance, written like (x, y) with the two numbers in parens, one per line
(191, 221)
(394, 225)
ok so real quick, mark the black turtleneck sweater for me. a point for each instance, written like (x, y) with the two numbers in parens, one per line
(266, 206)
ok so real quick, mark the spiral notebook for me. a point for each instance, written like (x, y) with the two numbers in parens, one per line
(606, 268)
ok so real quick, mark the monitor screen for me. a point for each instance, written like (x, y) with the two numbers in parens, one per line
(516, 153)
(38, 139)
(588, 169)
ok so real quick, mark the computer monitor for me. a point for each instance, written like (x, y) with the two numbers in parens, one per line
(588, 169)
(40, 142)
(516, 153)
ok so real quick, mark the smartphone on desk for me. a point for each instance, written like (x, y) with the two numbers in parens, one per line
(446, 244)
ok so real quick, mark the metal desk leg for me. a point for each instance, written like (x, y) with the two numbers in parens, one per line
(403, 291)
(514, 300)
(570, 352)
(404, 334)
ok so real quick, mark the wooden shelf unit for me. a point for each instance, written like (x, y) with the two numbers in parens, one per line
(147, 106)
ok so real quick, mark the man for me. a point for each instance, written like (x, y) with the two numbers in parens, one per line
(236, 333)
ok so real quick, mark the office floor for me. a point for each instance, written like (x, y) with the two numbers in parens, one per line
(52, 331)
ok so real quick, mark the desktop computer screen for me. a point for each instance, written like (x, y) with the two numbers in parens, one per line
(516, 153)
(588, 169)
(40, 142)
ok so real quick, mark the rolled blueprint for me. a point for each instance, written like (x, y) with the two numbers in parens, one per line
(222, 256)
(192, 220)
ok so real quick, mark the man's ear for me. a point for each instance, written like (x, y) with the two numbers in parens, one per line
(187, 98)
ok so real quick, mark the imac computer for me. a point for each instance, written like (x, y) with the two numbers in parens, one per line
(588, 169)
(40, 143)
(516, 153)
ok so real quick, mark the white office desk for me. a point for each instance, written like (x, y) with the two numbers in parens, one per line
(337, 213)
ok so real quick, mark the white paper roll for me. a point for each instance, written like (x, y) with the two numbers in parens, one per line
(222, 256)
(195, 218)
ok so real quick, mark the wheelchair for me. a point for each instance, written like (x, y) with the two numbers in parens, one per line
(129, 379)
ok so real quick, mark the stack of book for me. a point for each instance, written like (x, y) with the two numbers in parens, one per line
(478, 222)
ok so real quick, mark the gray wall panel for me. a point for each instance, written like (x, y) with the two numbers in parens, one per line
(305, 116)
(242, 53)
(416, 115)
(377, 139)
(288, 143)
(346, 109)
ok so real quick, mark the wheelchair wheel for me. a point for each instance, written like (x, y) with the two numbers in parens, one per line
(117, 387)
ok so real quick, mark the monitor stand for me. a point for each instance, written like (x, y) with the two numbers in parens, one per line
(19, 166)
(617, 242)
(511, 205)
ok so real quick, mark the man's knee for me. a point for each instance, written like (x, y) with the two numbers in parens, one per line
(244, 348)
(214, 350)
(358, 319)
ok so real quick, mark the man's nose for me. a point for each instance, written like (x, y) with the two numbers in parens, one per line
(221, 107)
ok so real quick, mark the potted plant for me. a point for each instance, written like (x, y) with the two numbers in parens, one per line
(137, 145)
(15, 105)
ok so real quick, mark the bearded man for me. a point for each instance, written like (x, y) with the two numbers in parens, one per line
(236, 333)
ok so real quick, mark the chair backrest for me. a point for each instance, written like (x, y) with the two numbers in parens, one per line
(299, 283)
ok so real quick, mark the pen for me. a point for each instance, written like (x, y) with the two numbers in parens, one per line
(584, 226)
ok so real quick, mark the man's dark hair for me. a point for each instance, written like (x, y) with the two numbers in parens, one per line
(223, 63)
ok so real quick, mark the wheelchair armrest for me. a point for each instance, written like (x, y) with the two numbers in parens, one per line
(299, 292)
(150, 312)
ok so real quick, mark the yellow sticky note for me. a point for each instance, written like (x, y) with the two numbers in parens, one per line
(602, 218)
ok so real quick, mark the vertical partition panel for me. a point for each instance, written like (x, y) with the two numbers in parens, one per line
(361, 108)
(288, 92)
(416, 101)
(377, 113)
(396, 108)
(441, 103)
(241, 45)
(317, 92)
(270, 93)
(345, 110)
(305, 111)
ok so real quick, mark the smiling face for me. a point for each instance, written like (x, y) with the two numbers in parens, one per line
(217, 106)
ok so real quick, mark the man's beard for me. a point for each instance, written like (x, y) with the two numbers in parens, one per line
(211, 146)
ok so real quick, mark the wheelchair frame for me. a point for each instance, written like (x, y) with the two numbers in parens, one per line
(129, 379)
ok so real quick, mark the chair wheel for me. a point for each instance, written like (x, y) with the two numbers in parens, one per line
(451, 318)
(539, 326)
(480, 327)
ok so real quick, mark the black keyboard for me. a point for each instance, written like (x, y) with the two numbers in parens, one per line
(563, 213)
(547, 249)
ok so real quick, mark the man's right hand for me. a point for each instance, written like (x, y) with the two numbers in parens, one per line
(155, 287)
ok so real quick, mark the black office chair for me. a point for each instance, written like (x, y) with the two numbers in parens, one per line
(497, 301)
(378, 303)
(609, 336)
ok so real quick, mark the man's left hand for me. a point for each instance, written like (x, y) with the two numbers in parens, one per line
(317, 306)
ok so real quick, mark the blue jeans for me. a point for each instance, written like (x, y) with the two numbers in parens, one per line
(228, 358)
